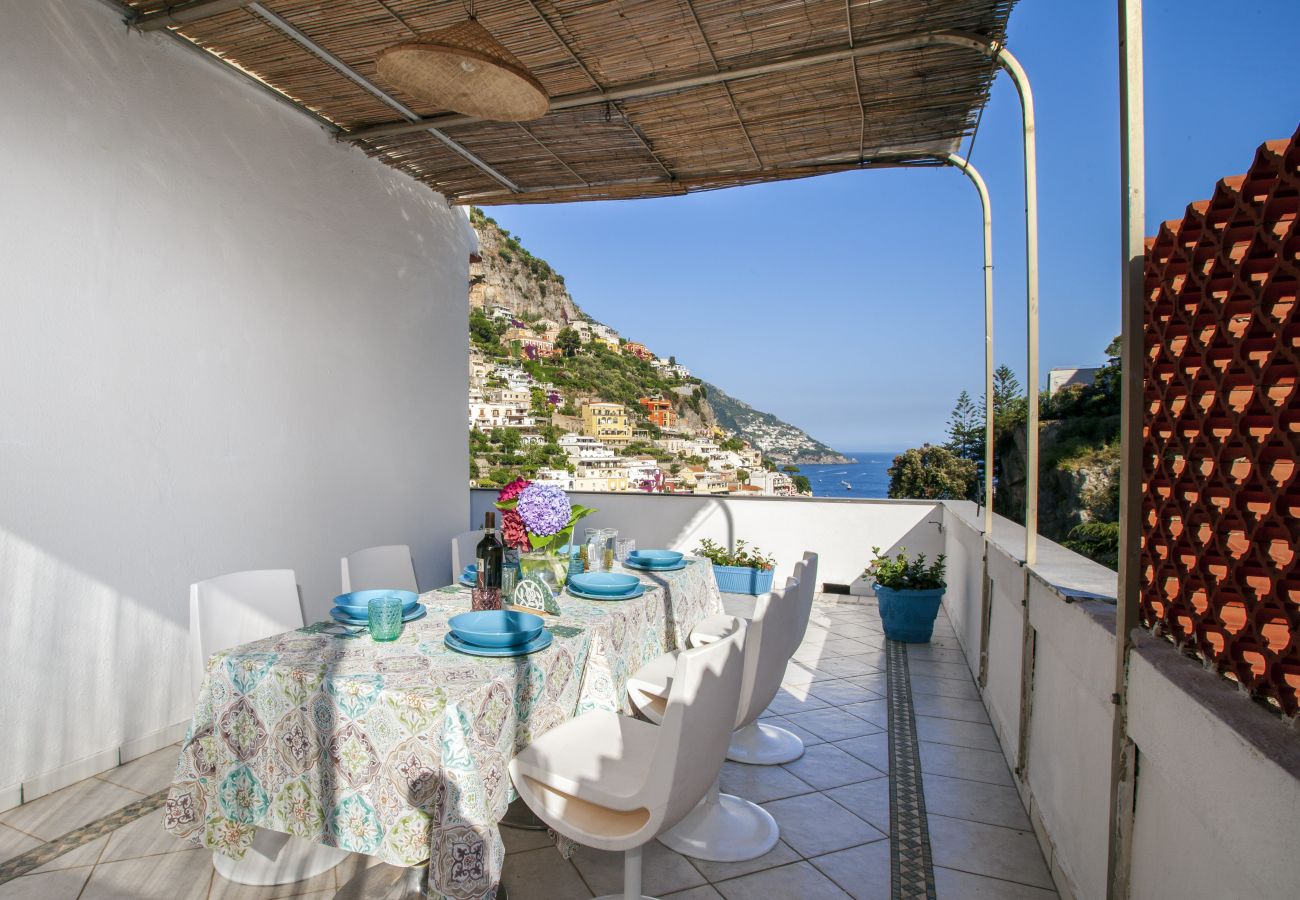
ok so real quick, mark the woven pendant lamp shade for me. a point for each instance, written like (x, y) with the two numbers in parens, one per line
(465, 69)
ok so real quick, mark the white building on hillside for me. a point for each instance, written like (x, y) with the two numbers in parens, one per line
(580, 446)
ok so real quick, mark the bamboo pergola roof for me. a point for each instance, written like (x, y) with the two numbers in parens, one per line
(648, 97)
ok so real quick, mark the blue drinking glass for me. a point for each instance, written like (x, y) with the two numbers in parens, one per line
(386, 618)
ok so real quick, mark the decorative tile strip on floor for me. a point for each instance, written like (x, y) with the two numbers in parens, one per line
(39, 856)
(911, 869)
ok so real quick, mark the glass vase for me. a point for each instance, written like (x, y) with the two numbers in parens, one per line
(551, 565)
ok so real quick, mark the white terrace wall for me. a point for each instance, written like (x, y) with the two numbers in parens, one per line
(1218, 786)
(225, 343)
(841, 531)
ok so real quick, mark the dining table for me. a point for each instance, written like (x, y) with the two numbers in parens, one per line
(399, 750)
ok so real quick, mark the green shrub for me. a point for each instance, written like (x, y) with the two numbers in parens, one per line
(901, 573)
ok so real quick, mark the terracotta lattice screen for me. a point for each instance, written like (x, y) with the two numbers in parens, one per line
(1222, 481)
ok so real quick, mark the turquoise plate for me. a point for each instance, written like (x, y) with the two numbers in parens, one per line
(339, 614)
(541, 642)
(581, 595)
(628, 564)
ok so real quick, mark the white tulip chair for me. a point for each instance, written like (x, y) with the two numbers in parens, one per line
(725, 828)
(462, 551)
(225, 612)
(380, 568)
(614, 782)
(758, 743)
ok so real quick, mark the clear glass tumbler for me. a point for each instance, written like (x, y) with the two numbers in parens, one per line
(608, 540)
(624, 548)
(386, 618)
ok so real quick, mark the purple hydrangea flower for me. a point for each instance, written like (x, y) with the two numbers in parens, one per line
(544, 508)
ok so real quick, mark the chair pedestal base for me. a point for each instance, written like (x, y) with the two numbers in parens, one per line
(278, 858)
(764, 745)
(723, 828)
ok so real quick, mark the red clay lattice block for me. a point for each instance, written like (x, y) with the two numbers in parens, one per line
(1221, 454)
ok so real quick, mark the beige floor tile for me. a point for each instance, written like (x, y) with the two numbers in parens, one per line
(780, 855)
(362, 877)
(832, 724)
(955, 732)
(858, 664)
(872, 749)
(173, 876)
(868, 800)
(944, 687)
(935, 653)
(953, 885)
(939, 669)
(703, 892)
(826, 766)
(877, 682)
(759, 784)
(795, 700)
(874, 711)
(800, 674)
(857, 631)
(845, 646)
(799, 880)
(841, 692)
(85, 855)
(58, 813)
(861, 871)
(959, 798)
(65, 884)
(543, 875)
(148, 774)
(987, 850)
(15, 843)
(520, 839)
(964, 762)
(143, 837)
(815, 824)
(662, 870)
(949, 708)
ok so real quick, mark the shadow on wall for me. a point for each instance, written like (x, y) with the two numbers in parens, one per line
(61, 652)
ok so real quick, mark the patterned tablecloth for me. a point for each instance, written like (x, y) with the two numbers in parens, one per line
(399, 750)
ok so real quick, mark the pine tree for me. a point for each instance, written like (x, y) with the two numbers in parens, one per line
(966, 430)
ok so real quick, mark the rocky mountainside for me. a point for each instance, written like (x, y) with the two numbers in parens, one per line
(780, 441)
(508, 276)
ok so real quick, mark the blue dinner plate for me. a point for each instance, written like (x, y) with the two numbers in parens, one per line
(629, 564)
(496, 627)
(339, 614)
(637, 592)
(656, 559)
(541, 642)
(357, 603)
(604, 584)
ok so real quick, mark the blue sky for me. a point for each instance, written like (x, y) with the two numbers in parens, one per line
(851, 304)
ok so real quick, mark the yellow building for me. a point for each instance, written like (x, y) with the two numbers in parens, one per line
(607, 422)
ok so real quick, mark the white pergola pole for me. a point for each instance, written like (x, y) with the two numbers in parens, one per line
(973, 174)
(1013, 68)
(1132, 134)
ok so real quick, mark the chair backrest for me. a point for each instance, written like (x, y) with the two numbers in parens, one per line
(767, 642)
(806, 571)
(379, 568)
(696, 728)
(230, 610)
(462, 551)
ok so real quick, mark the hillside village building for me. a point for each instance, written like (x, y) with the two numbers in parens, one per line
(607, 422)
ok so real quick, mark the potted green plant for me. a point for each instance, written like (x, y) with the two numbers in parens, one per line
(909, 592)
(745, 570)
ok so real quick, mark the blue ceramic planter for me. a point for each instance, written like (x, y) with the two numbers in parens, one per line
(743, 580)
(908, 616)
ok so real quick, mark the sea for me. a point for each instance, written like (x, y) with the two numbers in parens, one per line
(868, 477)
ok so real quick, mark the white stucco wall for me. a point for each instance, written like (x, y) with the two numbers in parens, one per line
(226, 343)
(841, 532)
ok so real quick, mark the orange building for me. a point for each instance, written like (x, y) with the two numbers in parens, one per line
(640, 351)
(660, 411)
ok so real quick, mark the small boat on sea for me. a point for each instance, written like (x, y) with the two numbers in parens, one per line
(847, 486)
